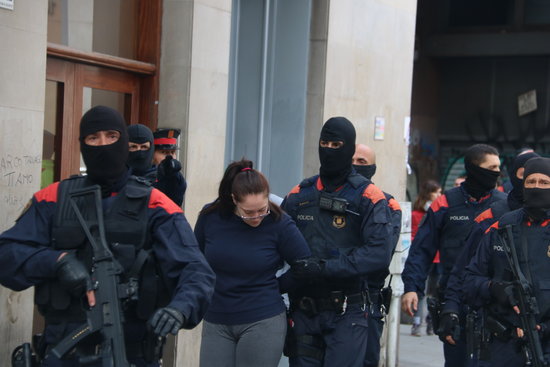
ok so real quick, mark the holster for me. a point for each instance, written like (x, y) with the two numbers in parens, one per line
(434, 308)
(152, 346)
(289, 348)
(497, 328)
(22, 356)
(385, 298)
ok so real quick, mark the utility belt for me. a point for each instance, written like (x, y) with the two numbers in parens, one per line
(337, 301)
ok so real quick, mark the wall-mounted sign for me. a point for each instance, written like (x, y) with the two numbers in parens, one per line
(6, 4)
(527, 102)
(379, 127)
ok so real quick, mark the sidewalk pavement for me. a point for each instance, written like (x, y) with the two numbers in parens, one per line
(419, 351)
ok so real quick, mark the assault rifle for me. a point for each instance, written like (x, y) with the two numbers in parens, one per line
(527, 303)
(106, 316)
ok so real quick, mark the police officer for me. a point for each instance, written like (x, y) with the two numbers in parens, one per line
(169, 177)
(147, 233)
(346, 221)
(445, 228)
(364, 162)
(488, 278)
(454, 290)
(162, 176)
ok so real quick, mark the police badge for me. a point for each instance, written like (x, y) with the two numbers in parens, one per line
(339, 221)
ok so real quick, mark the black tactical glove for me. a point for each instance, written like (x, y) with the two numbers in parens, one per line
(449, 324)
(166, 320)
(309, 268)
(503, 293)
(168, 167)
(73, 275)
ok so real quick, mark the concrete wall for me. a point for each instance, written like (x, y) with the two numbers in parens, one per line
(369, 62)
(193, 97)
(23, 60)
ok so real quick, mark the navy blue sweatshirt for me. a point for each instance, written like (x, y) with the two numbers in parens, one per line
(245, 260)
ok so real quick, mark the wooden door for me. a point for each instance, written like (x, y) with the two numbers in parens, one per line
(77, 75)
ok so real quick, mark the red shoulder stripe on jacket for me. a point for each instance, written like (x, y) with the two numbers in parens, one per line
(373, 193)
(394, 205)
(440, 202)
(493, 226)
(48, 193)
(158, 199)
(319, 184)
(295, 190)
(484, 215)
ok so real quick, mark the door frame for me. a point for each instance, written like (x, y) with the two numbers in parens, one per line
(76, 70)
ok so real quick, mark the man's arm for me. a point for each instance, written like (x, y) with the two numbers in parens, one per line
(376, 236)
(424, 247)
(170, 180)
(26, 257)
(477, 274)
(184, 267)
(454, 290)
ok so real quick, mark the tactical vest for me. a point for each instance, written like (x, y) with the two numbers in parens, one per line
(329, 233)
(127, 234)
(457, 225)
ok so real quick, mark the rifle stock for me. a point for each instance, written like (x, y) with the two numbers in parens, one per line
(106, 316)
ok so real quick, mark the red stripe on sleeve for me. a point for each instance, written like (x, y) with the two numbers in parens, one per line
(295, 190)
(487, 214)
(49, 193)
(493, 226)
(440, 202)
(319, 184)
(158, 199)
(373, 193)
(394, 205)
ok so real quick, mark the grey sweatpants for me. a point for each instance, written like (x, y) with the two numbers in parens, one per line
(258, 344)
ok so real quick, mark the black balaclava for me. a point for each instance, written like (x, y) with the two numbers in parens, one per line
(140, 161)
(336, 163)
(537, 201)
(479, 181)
(515, 196)
(366, 171)
(105, 164)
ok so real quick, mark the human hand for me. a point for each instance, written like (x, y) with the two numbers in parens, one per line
(409, 303)
(169, 166)
(309, 268)
(449, 328)
(503, 293)
(166, 320)
(74, 276)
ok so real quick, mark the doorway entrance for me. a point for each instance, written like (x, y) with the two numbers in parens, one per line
(75, 82)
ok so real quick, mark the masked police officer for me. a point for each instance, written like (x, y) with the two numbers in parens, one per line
(346, 221)
(164, 175)
(445, 228)
(170, 180)
(518, 240)
(146, 232)
(364, 162)
(453, 296)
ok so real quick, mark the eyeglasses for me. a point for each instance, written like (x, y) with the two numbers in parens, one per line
(256, 216)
